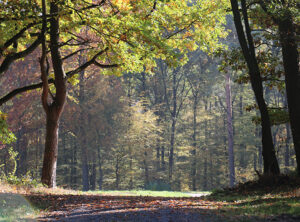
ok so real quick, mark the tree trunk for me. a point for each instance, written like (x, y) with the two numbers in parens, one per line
(290, 57)
(205, 172)
(51, 148)
(54, 110)
(146, 168)
(194, 151)
(287, 149)
(117, 174)
(82, 137)
(173, 127)
(93, 175)
(74, 165)
(230, 132)
(100, 180)
(163, 162)
(171, 154)
(268, 152)
(255, 162)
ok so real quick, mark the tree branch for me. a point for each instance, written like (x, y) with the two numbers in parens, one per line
(15, 56)
(44, 69)
(69, 74)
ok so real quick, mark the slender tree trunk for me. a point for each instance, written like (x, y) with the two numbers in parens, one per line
(230, 132)
(82, 137)
(211, 175)
(171, 154)
(173, 127)
(93, 174)
(146, 169)
(65, 156)
(290, 57)
(243, 163)
(194, 151)
(287, 149)
(255, 162)
(205, 178)
(74, 164)
(270, 161)
(131, 171)
(157, 154)
(100, 180)
(117, 174)
(163, 162)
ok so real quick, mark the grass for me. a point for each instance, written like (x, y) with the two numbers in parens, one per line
(14, 207)
(261, 198)
(146, 193)
(19, 189)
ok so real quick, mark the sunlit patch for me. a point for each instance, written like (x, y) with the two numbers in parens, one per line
(14, 207)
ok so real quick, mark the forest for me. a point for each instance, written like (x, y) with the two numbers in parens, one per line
(160, 95)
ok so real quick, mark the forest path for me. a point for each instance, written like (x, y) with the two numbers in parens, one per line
(119, 208)
(133, 208)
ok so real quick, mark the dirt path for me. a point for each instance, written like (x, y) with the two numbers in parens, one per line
(107, 208)
(145, 209)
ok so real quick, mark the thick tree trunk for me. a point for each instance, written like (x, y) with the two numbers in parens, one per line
(230, 132)
(54, 110)
(290, 57)
(51, 148)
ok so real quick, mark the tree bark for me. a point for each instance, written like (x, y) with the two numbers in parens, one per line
(290, 57)
(287, 149)
(51, 148)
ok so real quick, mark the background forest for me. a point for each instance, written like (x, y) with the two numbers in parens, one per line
(191, 127)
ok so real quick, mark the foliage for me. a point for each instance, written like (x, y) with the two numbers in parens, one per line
(277, 116)
(10, 176)
(11, 164)
(6, 136)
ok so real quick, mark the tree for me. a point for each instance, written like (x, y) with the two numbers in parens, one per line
(230, 130)
(140, 37)
(284, 14)
(248, 49)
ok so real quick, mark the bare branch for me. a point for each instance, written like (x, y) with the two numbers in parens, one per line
(15, 56)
